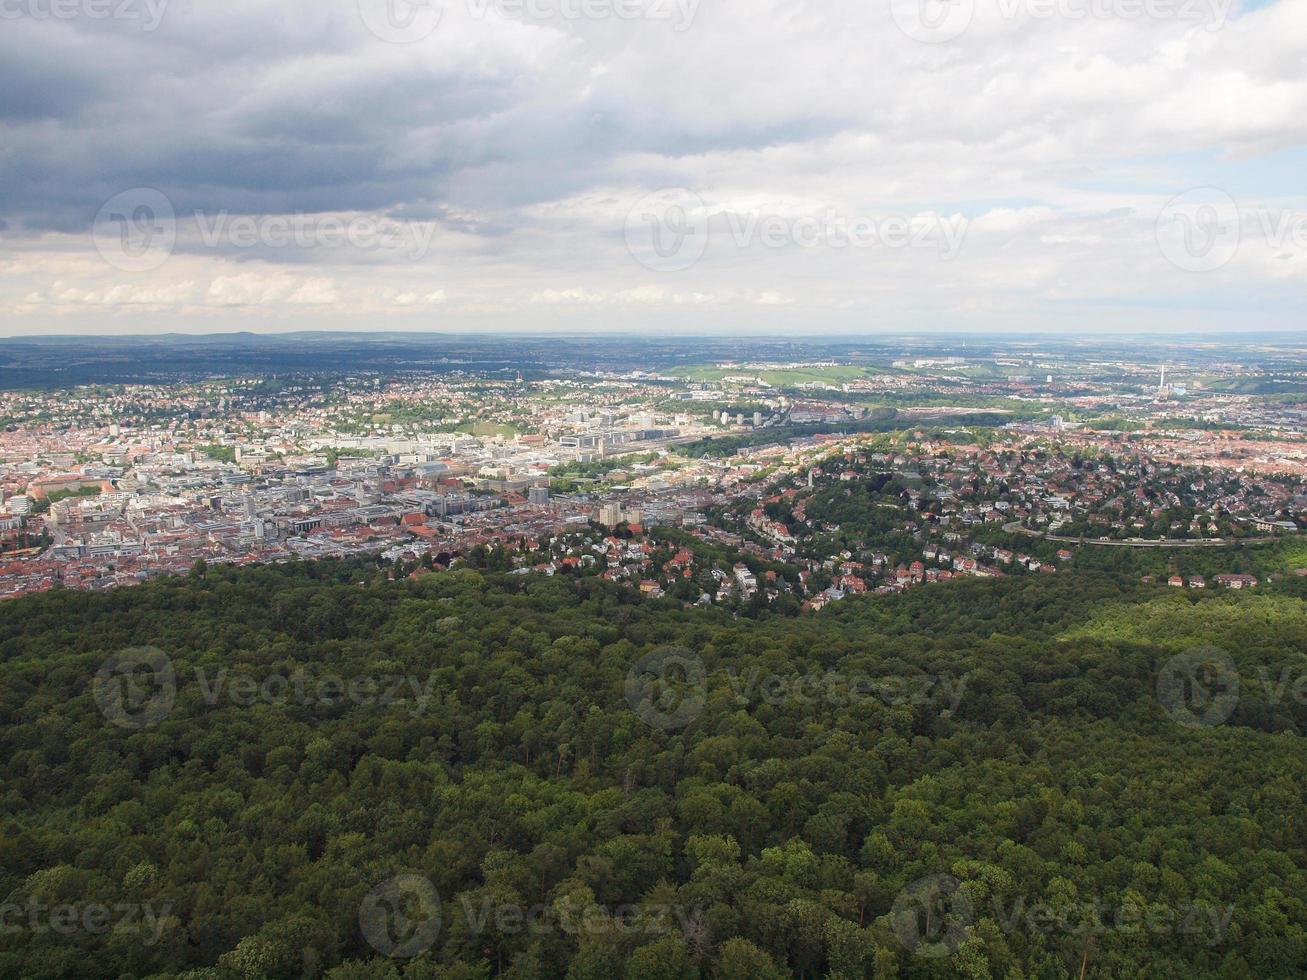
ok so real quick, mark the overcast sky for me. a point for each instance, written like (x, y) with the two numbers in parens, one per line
(653, 165)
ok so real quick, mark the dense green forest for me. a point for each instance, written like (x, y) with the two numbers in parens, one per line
(315, 771)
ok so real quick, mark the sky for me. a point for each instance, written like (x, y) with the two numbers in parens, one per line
(660, 166)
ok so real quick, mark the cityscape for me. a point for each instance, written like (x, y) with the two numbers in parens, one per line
(108, 485)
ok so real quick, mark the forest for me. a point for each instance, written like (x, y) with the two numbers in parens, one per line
(313, 770)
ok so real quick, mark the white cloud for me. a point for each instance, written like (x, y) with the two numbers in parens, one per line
(1058, 140)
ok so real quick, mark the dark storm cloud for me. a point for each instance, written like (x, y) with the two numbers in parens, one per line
(35, 85)
(255, 108)
(219, 116)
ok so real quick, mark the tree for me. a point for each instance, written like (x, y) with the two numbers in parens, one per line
(666, 959)
(740, 959)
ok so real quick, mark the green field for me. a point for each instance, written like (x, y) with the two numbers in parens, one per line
(1234, 621)
(781, 378)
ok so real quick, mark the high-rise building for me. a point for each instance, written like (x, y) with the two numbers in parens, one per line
(538, 496)
(610, 514)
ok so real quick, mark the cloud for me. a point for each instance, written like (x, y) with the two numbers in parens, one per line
(255, 289)
(527, 140)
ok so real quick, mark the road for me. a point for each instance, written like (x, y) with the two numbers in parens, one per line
(1015, 527)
